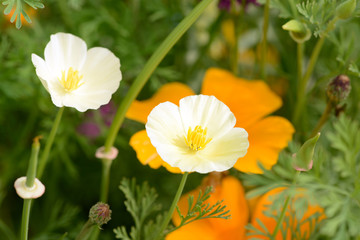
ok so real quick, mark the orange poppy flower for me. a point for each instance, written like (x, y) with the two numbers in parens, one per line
(231, 191)
(250, 101)
(303, 231)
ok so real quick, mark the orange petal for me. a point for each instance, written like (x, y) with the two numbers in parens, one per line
(172, 92)
(231, 191)
(146, 152)
(270, 223)
(248, 100)
(197, 230)
(233, 194)
(262, 205)
(267, 138)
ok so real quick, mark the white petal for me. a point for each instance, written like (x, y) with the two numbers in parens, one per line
(64, 51)
(208, 112)
(101, 71)
(222, 154)
(42, 70)
(218, 155)
(166, 133)
(101, 78)
(91, 100)
(57, 99)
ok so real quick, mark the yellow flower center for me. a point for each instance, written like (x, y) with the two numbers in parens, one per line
(71, 82)
(196, 139)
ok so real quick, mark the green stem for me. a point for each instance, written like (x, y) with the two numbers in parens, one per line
(293, 8)
(106, 165)
(49, 142)
(281, 218)
(264, 41)
(25, 219)
(300, 58)
(172, 208)
(85, 231)
(30, 179)
(304, 81)
(301, 96)
(149, 68)
(285, 206)
(31, 172)
(323, 119)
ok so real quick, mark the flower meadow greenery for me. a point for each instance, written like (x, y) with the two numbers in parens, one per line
(181, 119)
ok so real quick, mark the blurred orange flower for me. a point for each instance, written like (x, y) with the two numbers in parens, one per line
(231, 191)
(250, 101)
(29, 11)
(298, 229)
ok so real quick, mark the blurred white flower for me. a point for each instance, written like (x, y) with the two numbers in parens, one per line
(199, 135)
(77, 77)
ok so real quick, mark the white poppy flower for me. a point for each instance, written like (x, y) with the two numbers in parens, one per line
(77, 77)
(199, 135)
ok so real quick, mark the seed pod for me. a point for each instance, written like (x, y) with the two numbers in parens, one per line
(338, 89)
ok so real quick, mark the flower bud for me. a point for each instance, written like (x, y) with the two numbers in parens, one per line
(297, 30)
(345, 9)
(303, 159)
(339, 88)
(100, 214)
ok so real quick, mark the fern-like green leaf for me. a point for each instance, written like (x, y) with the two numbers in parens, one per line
(201, 210)
(19, 10)
(140, 203)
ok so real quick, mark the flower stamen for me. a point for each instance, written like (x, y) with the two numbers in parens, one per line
(196, 139)
(71, 82)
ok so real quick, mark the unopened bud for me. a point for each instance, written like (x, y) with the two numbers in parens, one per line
(346, 9)
(297, 30)
(339, 88)
(303, 159)
(100, 214)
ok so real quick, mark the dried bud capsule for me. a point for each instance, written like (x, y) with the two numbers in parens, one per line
(297, 30)
(100, 214)
(25, 192)
(111, 155)
(346, 9)
(339, 88)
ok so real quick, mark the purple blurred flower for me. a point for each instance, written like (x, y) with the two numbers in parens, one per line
(96, 120)
(226, 4)
(89, 129)
(108, 113)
